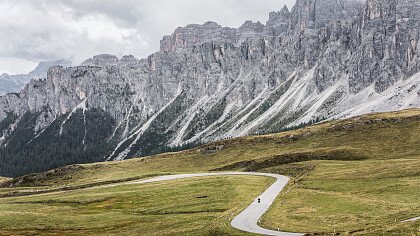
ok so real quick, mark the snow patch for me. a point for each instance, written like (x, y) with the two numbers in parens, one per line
(402, 95)
(82, 105)
(297, 85)
(192, 112)
(319, 101)
(42, 131)
(139, 132)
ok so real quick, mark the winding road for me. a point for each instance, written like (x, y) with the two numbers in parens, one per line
(412, 219)
(248, 219)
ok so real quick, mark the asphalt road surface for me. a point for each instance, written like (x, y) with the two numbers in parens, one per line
(412, 219)
(248, 219)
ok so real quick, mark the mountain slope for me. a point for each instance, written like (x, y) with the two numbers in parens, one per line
(323, 59)
(378, 136)
(357, 176)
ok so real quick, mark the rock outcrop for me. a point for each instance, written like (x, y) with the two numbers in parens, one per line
(15, 83)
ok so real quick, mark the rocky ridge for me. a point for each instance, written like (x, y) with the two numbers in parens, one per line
(15, 83)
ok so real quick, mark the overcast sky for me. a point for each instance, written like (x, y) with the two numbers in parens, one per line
(35, 30)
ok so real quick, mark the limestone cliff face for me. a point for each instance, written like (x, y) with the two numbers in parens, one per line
(315, 14)
(323, 59)
(379, 47)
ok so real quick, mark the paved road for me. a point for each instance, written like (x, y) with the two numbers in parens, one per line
(248, 219)
(412, 219)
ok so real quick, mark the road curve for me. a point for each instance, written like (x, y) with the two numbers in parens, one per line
(412, 219)
(248, 219)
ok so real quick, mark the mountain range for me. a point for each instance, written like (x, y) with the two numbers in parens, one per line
(15, 83)
(320, 60)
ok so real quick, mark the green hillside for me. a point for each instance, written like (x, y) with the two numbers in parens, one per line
(183, 207)
(359, 176)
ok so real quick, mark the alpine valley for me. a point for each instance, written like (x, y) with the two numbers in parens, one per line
(320, 60)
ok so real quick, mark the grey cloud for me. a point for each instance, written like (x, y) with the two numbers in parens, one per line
(78, 29)
(125, 13)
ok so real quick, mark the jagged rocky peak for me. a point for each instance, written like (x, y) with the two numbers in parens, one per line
(409, 9)
(373, 9)
(305, 14)
(251, 26)
(249, 29)
(378, 48)
(101, 60)
(42, 68)
(388, 13)
(309, 14)
(129, 58)
(380, 13)
(279, 17)
(193, 34)
(278, 22)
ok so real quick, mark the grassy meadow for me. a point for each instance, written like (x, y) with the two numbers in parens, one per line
(359, 176)
(367, 197)
(182, 207)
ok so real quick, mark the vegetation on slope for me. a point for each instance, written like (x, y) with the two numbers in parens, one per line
(26, 151)
(376, 136)
(3, 179)
(356, 176)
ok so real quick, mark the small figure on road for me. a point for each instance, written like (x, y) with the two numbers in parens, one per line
(259, 200)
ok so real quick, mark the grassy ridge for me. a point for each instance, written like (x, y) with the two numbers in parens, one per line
(356, 176)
